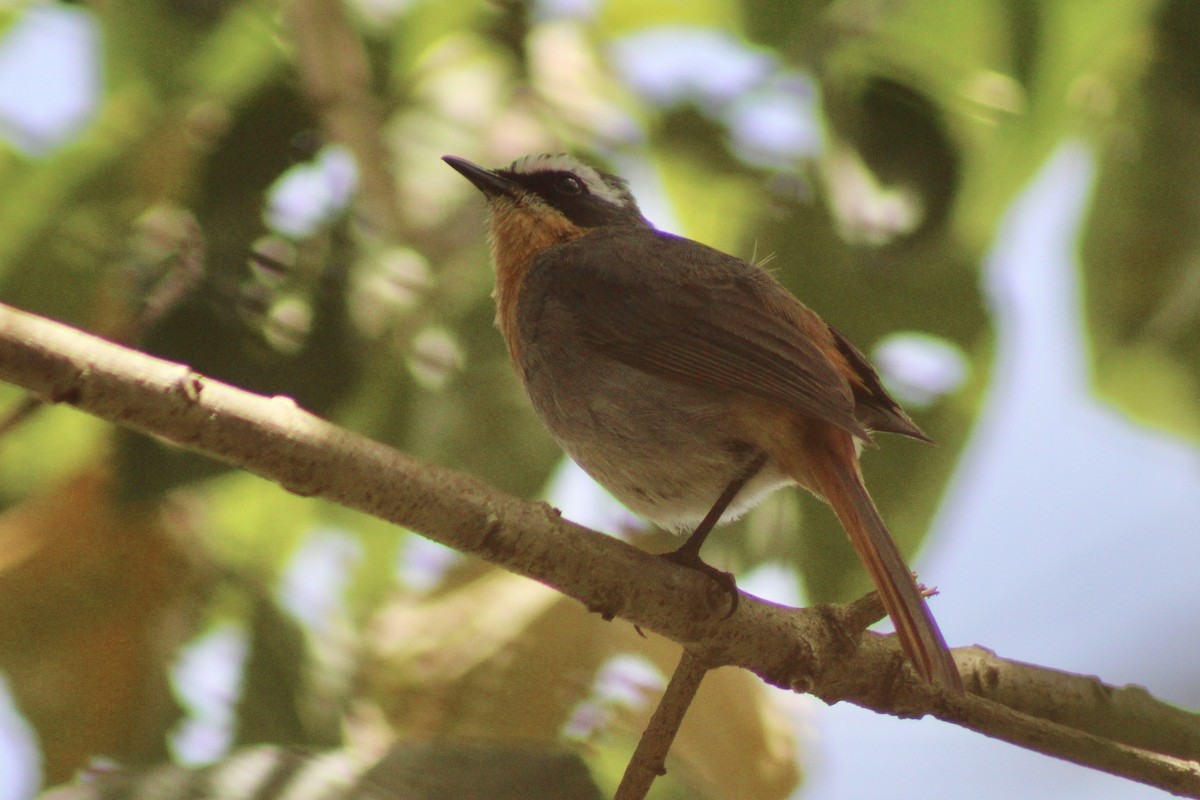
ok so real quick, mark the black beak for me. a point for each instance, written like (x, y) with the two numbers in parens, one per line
(485, 180)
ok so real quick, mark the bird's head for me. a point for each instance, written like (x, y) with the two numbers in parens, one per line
(557, 192)
(537, 203)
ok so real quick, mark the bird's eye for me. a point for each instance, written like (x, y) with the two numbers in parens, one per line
(569, 184)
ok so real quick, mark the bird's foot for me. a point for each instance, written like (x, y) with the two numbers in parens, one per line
(685, 557)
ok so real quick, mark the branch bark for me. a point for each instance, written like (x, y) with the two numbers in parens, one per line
(819, 650)
(650, 758)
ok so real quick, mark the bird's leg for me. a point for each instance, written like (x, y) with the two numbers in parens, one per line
(688, 554)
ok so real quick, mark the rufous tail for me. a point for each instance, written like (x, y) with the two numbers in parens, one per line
(839, 479)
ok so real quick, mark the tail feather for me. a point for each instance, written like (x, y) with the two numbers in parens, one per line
(838, 478)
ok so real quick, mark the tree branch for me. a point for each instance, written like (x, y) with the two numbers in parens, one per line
(818, 650)
(650, 757)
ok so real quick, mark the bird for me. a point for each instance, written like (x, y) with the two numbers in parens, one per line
(688, 382)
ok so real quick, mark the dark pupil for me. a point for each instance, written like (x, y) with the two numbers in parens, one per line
(569, 184)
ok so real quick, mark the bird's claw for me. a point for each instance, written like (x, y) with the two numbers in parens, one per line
(686, 558)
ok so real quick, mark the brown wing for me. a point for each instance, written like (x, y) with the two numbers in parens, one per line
(689, 313)
(872, 404)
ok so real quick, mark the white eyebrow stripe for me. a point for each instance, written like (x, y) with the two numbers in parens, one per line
(562, 162)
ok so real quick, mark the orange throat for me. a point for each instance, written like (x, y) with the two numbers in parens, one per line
(520, 231)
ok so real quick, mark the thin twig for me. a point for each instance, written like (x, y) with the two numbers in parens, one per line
(1127, 714)
(22, 410)
(181, 275)
(864, 612)
(650, 758)
(1176, 775)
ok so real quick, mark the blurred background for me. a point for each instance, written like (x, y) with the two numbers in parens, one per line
(996, 200)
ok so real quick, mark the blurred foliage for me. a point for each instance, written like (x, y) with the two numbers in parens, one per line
(405, 772)
(491, 654)
(868, 146)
